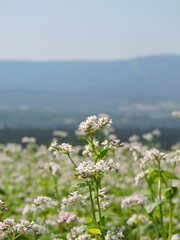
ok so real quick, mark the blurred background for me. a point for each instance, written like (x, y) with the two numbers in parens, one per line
(63, 60)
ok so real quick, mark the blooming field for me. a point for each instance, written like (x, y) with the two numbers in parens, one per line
(104, 189)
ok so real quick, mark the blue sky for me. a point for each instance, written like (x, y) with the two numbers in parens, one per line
(88, 29)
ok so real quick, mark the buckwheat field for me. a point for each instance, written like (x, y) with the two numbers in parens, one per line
(104, 189)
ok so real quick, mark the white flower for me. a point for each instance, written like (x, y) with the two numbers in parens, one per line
(148, 137)
(29, 208)
(63, 149)
(103, 203)
(93, 124)
(133, 200)
(140, 176)
(156, 132)
(66, 217)
(43, 202)
(28, 227)
(136, 218)
(60, 133)
(28, 140)
(54, 168)
(153, 155)
(175, 114)
(89, 169)
(115, 233)
(74, 200)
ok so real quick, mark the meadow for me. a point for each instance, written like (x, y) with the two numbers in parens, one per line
(104, 189)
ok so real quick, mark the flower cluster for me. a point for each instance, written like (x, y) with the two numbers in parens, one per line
(78, 233)
(153, 155)
(42, 202)
(115, 233)
(137, 218)
(66, 217)
(133, 200)
(3, 208)
(28, 227)
(103, 203)
(63, 149)
(54, 168)
(140, 176)
(9, 226)
(93, 124)
(90, 169)
(74, 200)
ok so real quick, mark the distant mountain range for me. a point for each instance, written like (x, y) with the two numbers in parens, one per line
(91, 86)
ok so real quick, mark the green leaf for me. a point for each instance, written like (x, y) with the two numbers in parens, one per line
(94, 230)
(87, 139)
(2, 192)
(89, 220)
(170, 192)
(79, 185)
(103, 153)
(168, 175)
(107, 213)
(152, 206)
(153, 176)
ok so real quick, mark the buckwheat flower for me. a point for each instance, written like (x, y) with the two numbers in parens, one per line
(59, 133)
(173, 157)
(148, 137)
(57, 239)
(176, 237)
(88, 169)
(133, 138)
(54, 168)
(156, 132)
(3, 208)
(104, 121)
(136, 151)
(153, 155)
(7, 226)
(43, 202)
(66, 217)
(137, 218)
(116, 143)
(140, 176)
(90, 125)
(28, 227)
(88, 151)
(74, 232)
(63, 149)
(28, 140)
(175, 114)
(103, 197)
(133, 200)
(28, 208)
(74, 200)
(115, 233)
(107, 166)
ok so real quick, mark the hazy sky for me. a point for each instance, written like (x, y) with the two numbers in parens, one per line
(88, 29)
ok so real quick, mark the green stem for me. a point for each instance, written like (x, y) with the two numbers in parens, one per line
(57, 193)
(99, 209)
(170, 219)
(153, 222)
(17, 236)
(92, 205)
(72, 161)
(160, 210)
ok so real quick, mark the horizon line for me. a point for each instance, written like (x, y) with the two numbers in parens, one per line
(90, 60)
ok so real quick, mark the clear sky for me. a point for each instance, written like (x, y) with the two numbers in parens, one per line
(88, 29)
